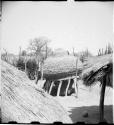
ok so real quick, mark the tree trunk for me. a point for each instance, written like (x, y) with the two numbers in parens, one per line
(101, 107)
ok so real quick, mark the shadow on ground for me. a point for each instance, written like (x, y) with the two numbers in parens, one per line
(76, 114)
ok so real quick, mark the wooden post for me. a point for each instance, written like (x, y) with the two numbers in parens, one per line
(76, 87)
(51, 87)
(42, 71)
(75, 82)
(59, 88)
(20, 51)
(37, 77)
(101, 106)
(73, 51)
(67, 87)
(26, 64)
(46, 51)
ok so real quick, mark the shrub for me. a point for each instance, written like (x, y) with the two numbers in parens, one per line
(84, 55)
(21, 64)
(31, 68)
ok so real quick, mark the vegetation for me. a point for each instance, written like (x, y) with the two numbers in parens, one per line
(108, 50)
(9, 58)
(39, 48)
(84, 55)
(31, 60)
(21, 64)
(32, 68)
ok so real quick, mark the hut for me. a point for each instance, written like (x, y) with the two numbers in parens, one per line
(23, 102)
(95, 69)
(61, 73)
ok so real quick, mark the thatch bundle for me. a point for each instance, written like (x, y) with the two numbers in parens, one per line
(23, 102)
(61, 67)
(96, 67)
(10, 58)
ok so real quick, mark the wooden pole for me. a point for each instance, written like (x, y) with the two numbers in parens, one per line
(37, 77)
(46, 51)
(51, 87)
(75, 81)
(59, 88)
(20, 51)
(101, 106)
(67, 87)
(73, 51)
(26, 64)
(42, 71)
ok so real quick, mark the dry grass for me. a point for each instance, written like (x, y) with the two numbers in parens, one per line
(58, 67)
(96, 67)
(23, 102)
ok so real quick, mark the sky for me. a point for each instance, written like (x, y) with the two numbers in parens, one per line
(67, 24)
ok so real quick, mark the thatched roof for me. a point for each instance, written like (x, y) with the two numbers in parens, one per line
(61, 67)
(96, 67)
(23, 102)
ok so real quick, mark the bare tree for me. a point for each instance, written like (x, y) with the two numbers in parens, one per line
(38, 46)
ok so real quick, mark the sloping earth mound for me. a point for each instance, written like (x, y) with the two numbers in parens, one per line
(23, 102)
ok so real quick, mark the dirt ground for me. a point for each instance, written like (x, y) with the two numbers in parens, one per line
(88, 101)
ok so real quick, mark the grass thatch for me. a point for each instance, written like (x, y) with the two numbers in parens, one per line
(61, 67)
(23, 102)
(96, 67)
(10, 58)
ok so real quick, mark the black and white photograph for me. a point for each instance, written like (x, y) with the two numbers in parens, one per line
(56, 62)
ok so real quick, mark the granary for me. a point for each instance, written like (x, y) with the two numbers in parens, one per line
(99, 68)
(61, 74)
